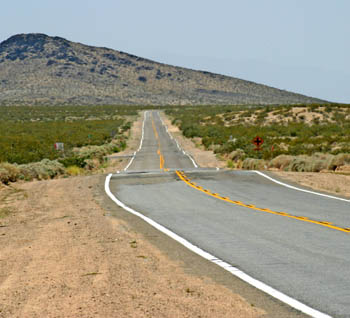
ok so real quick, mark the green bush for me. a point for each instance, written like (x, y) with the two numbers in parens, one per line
(74, 171)
(73, 161)
(28, 134)
(45, 169)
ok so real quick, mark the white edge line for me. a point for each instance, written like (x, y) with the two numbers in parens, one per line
(178, 146)
(194, 163)
(143, 131)
(233, 270)
(295, 188)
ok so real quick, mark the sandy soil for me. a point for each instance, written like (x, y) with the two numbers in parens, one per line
(66, 257)
(202, 157)
(62, 254)
(329, 182)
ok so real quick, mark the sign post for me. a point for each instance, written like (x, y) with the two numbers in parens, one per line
(59, 146)
(258, 141)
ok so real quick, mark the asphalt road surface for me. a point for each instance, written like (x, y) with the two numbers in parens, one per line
(296, 242)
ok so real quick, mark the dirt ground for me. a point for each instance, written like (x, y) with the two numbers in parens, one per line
(337, 184)
(62, 254)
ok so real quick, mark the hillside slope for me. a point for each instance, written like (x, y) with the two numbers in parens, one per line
(38, 69)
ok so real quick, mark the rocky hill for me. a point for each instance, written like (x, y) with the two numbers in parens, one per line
(39, 69)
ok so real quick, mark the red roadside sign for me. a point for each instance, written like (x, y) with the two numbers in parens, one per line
(258, 141)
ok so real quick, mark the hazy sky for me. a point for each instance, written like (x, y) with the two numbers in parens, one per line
(298, 45)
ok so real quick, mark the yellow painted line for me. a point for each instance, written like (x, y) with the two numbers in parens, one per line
(185, 179)
(159, 152)
(155, 130)
(161, 162)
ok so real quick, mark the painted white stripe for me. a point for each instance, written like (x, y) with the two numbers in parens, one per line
(143, 133)
(130, 162)
(233, 270)
(177, 144)
(194, 163)
(298, 189)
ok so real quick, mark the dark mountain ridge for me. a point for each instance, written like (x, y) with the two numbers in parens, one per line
(39, 69)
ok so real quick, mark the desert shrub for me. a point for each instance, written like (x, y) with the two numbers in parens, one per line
(126, 127)
(301, 164)
(4, 176)
(74, 171)
(8, 172)
(44, 169)
(254, 164)
(91, 164)
(237, 154)
(52, 168)
(28, 172)
(191, 131)
(281, 162)
(230, 164)
(339, 160)
(73, 161)
(326, 160)
(317, 165)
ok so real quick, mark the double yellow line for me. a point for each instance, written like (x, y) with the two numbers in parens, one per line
(161, 158)
(188, 181)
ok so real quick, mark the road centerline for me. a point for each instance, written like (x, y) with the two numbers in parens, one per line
(327, 224)
(159, 152)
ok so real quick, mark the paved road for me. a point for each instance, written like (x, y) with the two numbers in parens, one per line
(158, 150)
(296, 242)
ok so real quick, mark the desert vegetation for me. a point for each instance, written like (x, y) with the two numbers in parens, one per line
(28, 136)
(296, 138)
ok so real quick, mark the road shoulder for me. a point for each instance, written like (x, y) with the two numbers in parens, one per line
(62, 256)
